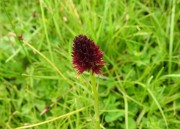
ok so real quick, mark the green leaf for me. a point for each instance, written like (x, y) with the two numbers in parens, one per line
(110, 117)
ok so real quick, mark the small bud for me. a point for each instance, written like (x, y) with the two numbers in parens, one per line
(20, 37)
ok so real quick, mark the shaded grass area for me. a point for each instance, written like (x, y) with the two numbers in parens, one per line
(139, 87)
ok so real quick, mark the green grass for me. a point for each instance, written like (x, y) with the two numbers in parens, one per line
(140, 87)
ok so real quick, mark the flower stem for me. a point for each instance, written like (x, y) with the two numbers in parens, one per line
(96, 102)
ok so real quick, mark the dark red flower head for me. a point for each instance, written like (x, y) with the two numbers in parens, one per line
(87, 55)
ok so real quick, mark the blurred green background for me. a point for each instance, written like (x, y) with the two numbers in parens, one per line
(140, 85)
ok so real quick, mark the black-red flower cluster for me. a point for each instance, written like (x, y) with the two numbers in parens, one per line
(87, 55)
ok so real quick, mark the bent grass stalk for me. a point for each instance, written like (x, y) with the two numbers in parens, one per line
(53, 119)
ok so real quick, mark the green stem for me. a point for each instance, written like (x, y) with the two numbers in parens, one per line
(96, 102)
(171, 36)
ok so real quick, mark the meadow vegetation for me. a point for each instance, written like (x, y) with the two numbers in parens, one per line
(140, 85)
